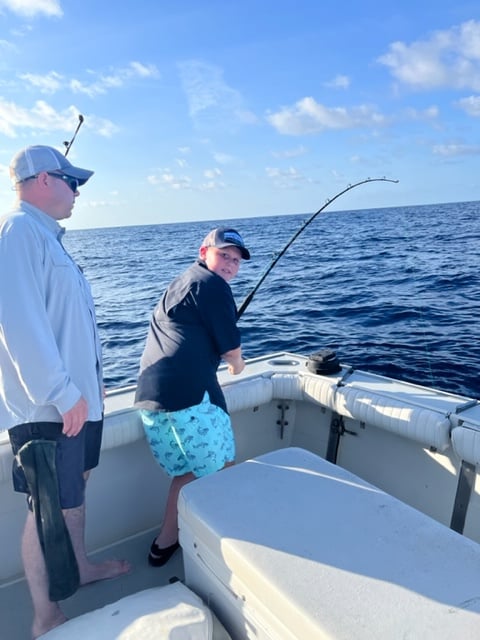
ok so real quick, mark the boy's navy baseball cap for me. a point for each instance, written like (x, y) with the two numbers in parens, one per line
(225, 237)
(33, 160)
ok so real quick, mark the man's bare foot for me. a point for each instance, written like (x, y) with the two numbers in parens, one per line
(39, 628)
(104, 571)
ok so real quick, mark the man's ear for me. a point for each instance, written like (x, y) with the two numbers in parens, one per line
(203, 252)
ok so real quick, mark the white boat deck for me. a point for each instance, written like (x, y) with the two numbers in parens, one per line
(15, 609)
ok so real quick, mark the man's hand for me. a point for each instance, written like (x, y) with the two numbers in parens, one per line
(75, 418)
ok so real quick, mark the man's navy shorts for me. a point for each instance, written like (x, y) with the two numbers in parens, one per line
(74, 455)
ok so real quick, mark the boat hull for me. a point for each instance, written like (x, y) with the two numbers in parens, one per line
(416, 444)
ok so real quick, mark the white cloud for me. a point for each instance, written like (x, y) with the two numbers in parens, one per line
(43, 117)
(212, 173)
(100, 204)
(285, 178)
(53, 81)
(31, 8)
(7, 46)
(211, 100)
(4, 171)
(49, 83)
(142, 70)
(211, 185)
(455, 149)
(115, 80)
(165, 178)
(177, 183)
(103, 127)
(430, 113)
(308, 116)
(339, 82)
(470, 105)
(205, 87)
(290, 153)
(223, 158)
(449, 58)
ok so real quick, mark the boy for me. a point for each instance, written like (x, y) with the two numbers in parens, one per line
(183, 409)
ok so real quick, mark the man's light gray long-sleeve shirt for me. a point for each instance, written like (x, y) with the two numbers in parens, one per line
(50, 352)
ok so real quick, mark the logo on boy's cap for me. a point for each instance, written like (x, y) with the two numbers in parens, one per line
(224, 237)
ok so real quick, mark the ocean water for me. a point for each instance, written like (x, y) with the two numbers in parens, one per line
(394, 291)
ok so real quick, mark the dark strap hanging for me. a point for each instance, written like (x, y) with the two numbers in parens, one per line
(37, 458)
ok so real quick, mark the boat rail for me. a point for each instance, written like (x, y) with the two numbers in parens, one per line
(418, 413)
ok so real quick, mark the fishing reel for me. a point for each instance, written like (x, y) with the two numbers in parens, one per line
(324, 362)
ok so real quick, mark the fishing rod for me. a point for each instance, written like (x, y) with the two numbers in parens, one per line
(69, 144)
(277, 256)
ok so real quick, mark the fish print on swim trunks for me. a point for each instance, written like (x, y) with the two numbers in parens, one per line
(198, 439)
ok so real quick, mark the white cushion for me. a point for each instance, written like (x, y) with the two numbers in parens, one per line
(394, 413)
(247, 393)
(172, 611)
(466, 444)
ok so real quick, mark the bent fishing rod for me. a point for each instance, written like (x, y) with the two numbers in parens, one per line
(69, 144)
(277, 256)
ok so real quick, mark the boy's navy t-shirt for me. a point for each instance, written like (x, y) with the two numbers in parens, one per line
(191, 327)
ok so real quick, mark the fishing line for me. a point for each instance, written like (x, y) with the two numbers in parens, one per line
(69, 144)
(277, 256)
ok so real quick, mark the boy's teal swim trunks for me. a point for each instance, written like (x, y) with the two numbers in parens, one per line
(198, 439)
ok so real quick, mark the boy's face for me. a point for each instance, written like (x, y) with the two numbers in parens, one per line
(224, 262)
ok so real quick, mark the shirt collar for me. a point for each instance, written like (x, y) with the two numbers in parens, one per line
(43, 218)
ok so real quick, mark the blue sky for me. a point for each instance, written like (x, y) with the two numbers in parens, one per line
(218, 109)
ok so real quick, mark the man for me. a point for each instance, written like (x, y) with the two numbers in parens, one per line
(50, 360)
